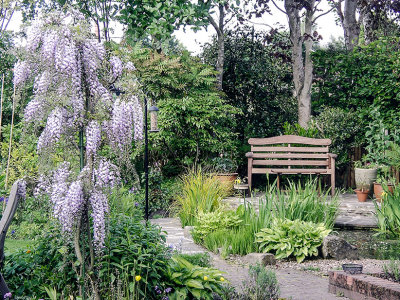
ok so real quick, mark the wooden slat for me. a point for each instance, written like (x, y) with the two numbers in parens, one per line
(289, 139)
(289, 171)
(289, 149)
(290, 155)
(266, 162)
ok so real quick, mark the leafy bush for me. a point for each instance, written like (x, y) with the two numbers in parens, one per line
(133, 248)
(344, 128)
(388, 213)
(292, 238)
(296, 129)
(212, 221)
(302, 202)
(262, 284)
(201, 192)
(193, 282)
(50, 262)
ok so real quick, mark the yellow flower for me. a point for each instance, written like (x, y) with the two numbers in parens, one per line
(222, 279)
(205, 278)
(384, 194)
(138, 277)
(238, 181)
(29, 251)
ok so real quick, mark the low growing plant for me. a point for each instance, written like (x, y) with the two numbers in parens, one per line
(262, 284)
(191, 281)
(292, 238)
(392, 270)
(212, 221)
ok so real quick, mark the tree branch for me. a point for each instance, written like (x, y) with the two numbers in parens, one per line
(215, 25)
(280, 9)
(323, 14)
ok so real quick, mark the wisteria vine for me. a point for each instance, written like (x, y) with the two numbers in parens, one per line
(70, 95)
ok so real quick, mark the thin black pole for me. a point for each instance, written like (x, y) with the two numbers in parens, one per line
(146, 161)
(82, 165)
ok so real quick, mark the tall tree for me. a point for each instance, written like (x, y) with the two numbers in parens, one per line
(348, 19)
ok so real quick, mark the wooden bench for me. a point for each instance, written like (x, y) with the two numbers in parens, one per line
(291, 154)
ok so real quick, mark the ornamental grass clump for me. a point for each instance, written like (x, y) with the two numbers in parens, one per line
(388, 212)
(201, 193)
(303, 202)
(296, 238)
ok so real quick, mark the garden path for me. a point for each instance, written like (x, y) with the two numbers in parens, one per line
(352, 214)
(294, 284)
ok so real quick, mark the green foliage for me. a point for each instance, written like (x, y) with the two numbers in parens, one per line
(296, 129)
(366, 77)
(303, 202)
(257, 80)
(392, 270)
(49, 262)
(223, 165)
(132, 248)
(388, 213)
(198, 259)
(262, 284)
(193, 282)
(378, 138)
(200, 193)
(292, 238)
(212, 221)
(344, 128)
(195, 121)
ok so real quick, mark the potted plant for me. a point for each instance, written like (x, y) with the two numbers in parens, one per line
(225, 169)
(365, 173)
(384, 178)
(362, 191)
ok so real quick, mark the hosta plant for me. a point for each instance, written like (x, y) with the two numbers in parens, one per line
(212, 221)
(292, 238)
(193, 282)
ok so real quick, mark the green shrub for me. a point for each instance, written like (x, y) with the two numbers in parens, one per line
(201, 192)
(292, 238)
(192, 282)
(296, 129)
(388, 213)
(302, 202)
(49, 262)
(262, 284)
(212, 221)
(132, 248)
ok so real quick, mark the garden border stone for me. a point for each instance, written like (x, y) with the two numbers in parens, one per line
(362, 286)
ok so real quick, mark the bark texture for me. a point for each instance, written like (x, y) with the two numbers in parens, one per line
(349, 22)
(219, 28)
(302, 63)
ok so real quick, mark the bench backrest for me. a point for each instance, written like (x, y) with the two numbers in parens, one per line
(289, 152)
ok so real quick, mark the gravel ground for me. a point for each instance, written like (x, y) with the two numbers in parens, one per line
(320, 267)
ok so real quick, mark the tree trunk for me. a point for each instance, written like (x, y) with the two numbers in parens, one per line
(219, 28)
(302, 63)
(351, 27)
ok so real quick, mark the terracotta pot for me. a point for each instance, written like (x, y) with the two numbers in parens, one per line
(378, 190)
(227, 178)
(362, 195)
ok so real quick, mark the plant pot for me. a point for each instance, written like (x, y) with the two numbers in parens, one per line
(362, 195)
(378, 190)
(228, 178)
(365, 176)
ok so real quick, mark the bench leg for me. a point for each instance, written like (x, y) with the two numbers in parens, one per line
(278, 182)
(333, 182)
(249, 173)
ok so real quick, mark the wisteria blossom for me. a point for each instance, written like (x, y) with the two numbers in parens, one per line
(72, 99)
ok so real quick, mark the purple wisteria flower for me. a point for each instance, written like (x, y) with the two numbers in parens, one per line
(116, 65)
(93, 137)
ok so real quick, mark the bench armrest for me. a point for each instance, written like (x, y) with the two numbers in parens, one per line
(331, 155)
(249, 154)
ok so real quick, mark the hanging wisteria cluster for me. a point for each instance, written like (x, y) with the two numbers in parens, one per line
(65, 62)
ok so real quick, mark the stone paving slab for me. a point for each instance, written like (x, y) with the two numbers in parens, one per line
(294, 285)
(352, 213)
